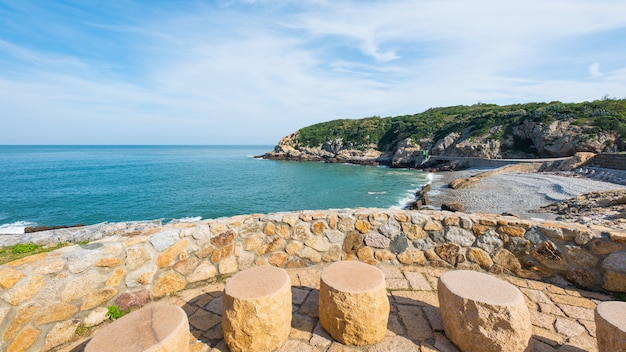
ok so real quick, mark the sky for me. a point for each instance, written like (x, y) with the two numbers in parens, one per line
(252, 71)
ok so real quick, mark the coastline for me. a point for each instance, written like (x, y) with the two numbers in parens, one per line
(521, 194)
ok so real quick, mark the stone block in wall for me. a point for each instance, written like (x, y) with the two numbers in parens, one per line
(362, 226)
(318, 227)
(301, 232)
(519, 246)
(411, 256)
(220, 253)
(162, 240)
(136, 256)
(618, 236)
(346, 224)
(579, 257)
(378, 218)
(310, 254)
(61, 333)
(24, 339)
(54, 312)
(582, 278)
(8, 277)
(133, 299)
(376, 240)
(22, 316)
(514, 231)
(272, 245)
(399, 244)
(352, 242)
(391, 228)
(228, 265)
(116, 277)
(334, 236)
(603, 246)
(51, 266)
(385, 255)
(333, 254)
(555, 231)
(97, 316)
(98, 297)
(432, 225)
(141, 276)
(424, 244)
(278, 259)
(459, 236)
(81, 286)
(203, 271)
(413, 231)
(507, 260)
(490, 242)
(549, 255)
(171, 254)
(615, 266)
(449, 252)
(167, 283)
(319, 243)
(224, 238)
(480, 257)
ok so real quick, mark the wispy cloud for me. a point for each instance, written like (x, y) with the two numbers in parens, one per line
(252, 71)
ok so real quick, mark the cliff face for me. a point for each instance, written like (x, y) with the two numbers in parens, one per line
(537, 131)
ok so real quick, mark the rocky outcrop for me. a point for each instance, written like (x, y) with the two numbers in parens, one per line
(517, 134)
(331, 151)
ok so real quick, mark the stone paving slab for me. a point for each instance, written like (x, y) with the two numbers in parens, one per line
(562, 317)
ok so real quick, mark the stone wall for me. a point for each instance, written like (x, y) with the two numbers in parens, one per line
(45, 297)
(609, 161)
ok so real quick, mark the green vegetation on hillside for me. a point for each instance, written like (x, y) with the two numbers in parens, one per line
(476, 121)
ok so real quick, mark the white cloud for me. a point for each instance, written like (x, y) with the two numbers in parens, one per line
(253, 71)
(594, 70)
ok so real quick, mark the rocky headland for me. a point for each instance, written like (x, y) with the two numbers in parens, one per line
(526, 131)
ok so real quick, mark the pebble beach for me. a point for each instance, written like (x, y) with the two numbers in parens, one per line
(517, 193)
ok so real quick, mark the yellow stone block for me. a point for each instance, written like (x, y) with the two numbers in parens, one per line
(512, 230)
(29, 259)
(8, 277)
(109, 262)
(95, 298)
(116, 277)
(17, 295)
(23, 341)
(55, 312)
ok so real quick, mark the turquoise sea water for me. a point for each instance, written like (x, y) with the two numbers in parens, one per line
(67, 185)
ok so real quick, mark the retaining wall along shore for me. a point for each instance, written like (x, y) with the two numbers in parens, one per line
(44, 298)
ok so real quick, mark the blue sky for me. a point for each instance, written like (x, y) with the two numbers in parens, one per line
(250, 72)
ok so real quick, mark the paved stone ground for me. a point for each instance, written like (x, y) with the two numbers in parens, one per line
(562, 317)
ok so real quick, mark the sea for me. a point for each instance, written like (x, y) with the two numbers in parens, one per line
(70, 185)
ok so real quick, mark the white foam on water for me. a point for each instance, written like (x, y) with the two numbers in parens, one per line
(187, 219)
(15, 228)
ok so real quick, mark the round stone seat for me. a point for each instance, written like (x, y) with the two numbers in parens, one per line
(155, 328)
(353, 305)
(483, 313)
(256, 312)
(610, 318)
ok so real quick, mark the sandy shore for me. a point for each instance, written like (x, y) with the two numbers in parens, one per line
(517, 193)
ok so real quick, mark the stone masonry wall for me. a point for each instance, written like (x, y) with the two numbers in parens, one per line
(45, 297)
(609, 161)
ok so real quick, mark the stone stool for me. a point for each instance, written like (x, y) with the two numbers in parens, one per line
(256, 313)
(610, 320)
(353, 305)
(483, 313)
(155, 328)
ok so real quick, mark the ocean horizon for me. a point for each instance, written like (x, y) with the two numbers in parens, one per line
(65, 185)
